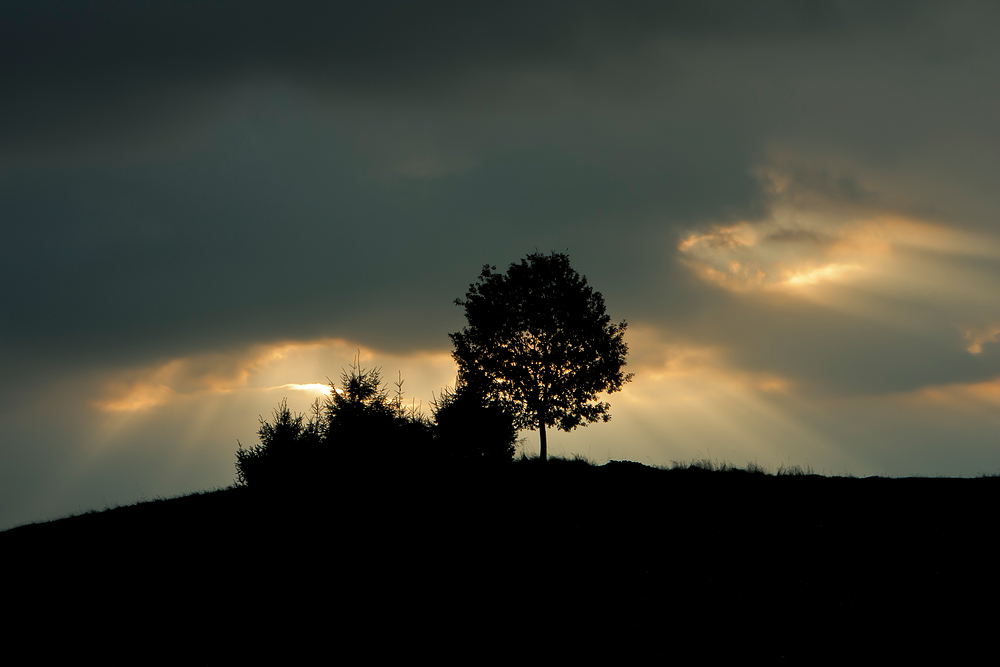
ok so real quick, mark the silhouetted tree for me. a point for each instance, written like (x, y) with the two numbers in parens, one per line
(362, 416)
(287, 445)
(468, 428)
(358, 418)
(538, 340)
(362, 402)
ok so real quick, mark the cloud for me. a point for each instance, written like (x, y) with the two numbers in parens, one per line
(259, 368)
(846, 294)
(433, 165)
(662, 356)
(792, 203)
(243, 155)
(773, 256)
(981, 336)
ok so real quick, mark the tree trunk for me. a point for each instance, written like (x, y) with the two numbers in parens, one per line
(541, 430)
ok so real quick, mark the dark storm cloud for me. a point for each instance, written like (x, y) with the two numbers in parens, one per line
(382, 38)
(107, 69)
(183, 175)
(193, 181)
(74, 70)
(281, 229)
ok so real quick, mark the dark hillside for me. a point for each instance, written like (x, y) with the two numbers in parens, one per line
(561, 560)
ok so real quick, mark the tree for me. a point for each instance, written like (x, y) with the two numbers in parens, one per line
(470, 429)
(288, 446)
(356, 420)
(538, 340)
(362, 406)
(363, 417)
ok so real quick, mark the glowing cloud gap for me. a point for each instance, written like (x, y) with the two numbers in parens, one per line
(800, 251)
(264, 368)
(831, 272)
(979, 337)
(315, 387)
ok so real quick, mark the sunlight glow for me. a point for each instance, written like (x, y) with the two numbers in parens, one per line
(965, 397)
(831, 272)
(688, 402)
(315, 387)
(139, 397)
(885, 268)
(650, 354)
(266, 369)
(979, 337)
(788, 251)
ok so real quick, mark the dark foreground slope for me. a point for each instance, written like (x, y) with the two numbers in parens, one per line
(558, 561)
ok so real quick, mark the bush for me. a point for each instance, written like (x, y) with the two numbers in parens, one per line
(470, 429)
(286, 444)
(356, 420)
(362, 420)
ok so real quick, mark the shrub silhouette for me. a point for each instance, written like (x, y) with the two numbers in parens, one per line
(470, 429)
(284, 444)
(357, 419)
(363, 416)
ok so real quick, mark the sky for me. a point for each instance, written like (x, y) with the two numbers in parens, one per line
(207, 207)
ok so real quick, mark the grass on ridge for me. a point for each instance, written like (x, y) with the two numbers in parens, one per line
(752, 467)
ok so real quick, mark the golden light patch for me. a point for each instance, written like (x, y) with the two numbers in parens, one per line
(144, 388)
(138, 397)
(829, 272)
(966, 397)
(773, 384)
(788, 251)
(268, 368)
(653, 355)
(803, 253)
(217, 372)
(742, 234)
(652, 352)
(694, 401)
(313, 387)
(979, 337)
(937, 238)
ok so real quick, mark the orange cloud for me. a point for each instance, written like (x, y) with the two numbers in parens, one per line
(979, 337)
(215, 372)
(965, 397)
(289, 366)
(134, 396)
(810, 255)
(653, 355)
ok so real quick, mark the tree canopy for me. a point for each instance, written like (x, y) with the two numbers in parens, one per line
(363, 424)
(539, 342)
(470, 429)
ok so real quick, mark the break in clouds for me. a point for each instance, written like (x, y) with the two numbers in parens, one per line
(793, 204)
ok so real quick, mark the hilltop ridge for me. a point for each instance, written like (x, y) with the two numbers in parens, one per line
(564, 558)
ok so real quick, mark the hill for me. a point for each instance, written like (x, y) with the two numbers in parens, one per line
(562, 560)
